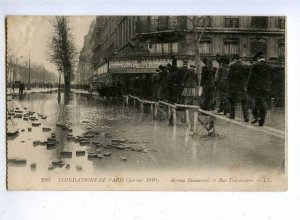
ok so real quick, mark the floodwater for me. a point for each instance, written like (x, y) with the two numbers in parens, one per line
(149, 144)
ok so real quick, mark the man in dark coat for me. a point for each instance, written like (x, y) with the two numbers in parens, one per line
(259, 88)
(180, 75)
(237, 80)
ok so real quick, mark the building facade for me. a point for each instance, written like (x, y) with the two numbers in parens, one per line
(127, 46)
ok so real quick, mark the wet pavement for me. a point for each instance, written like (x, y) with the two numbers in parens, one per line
(83, 134)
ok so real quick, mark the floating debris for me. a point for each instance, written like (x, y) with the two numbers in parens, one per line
(12, 132)
(66, 154)
(50, 145)
(36, 143)
(59, 125)
(86, 122)
(57, 162)
(123, 158)
(52, 139)
(51, 167)
(43, 143)
(107, 154)
(84, 142)
(121, 147)
(66, 166)
(80, 153)
(20, 160)
(36, 124)
(100, 156)
(33, 165)
(46, 129)
(11, 160)
(78, 167)
(92, 155)
(44, 117)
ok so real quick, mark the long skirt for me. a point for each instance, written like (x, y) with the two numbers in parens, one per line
(192, 92)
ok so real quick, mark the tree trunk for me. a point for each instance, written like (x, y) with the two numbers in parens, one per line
(67, 83)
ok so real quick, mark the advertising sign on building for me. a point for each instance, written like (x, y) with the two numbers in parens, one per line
(137, 66)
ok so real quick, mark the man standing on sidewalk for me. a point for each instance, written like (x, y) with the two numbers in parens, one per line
(237, 80)
(259, 87)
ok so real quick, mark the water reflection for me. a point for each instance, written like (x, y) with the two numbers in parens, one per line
(169, 146)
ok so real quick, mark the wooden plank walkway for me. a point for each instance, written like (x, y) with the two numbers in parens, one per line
(173, 107)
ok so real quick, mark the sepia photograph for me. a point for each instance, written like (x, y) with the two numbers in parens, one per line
(168, 103)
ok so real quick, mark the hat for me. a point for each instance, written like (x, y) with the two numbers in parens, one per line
(224, 59)
(259, 55)
(192, 66)
(235, 57)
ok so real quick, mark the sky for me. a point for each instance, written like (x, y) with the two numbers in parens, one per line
(31, 34)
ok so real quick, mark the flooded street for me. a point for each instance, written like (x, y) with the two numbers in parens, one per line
(96, 138)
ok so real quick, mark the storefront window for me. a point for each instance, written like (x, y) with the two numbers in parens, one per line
(205, 47)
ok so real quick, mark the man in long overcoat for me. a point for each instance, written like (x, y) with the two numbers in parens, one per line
(237, 80)
(259, 88)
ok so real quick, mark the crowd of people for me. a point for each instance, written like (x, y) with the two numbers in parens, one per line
(232, 82)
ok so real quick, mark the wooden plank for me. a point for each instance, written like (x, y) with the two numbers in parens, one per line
(264, 129)
(187, 106)
(168, 104)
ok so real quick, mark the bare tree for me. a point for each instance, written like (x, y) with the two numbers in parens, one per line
(62, 49)
(199, 28)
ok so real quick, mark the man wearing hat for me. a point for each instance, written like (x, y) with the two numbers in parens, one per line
(259, 87)
(180, 75)
(237, 79)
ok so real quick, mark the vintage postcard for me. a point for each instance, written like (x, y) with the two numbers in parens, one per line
(181, 103)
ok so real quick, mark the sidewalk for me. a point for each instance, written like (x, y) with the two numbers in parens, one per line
(32, 90)
(80, 91)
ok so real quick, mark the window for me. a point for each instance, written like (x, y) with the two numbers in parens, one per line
(205, 46)
(166, 48)
(205, 21)
(142, 24)
(259, 22)
(162, 22)
(231, 46)
(231, 21)
(281, 48)
(281, 23)
(159, 48)
(258, 45)
(153, 23)
(173, 22)
(174, 48)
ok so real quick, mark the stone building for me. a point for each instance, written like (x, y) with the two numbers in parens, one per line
(127, 46)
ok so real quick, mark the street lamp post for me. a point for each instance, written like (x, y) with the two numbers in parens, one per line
(29, 72)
